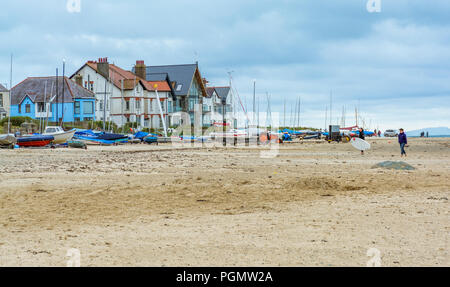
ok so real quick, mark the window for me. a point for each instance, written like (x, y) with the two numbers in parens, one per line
(194, 91)
(1, 100)
(179, 87)
(27, 108)
(138, 104)
(169, 107)
(100, 105)
(127, 105)
(192, 103)
(77, 108)
(88, 107)
(41, 107)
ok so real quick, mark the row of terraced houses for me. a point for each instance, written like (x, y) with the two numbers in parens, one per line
(99, 90)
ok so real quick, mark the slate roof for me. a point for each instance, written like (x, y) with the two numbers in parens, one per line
(222, 92)
(35, 88)
(180, 74)
(210, 91)
(157, 77)
(3, 89)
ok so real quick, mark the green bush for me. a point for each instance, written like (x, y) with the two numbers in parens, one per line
(17, 121)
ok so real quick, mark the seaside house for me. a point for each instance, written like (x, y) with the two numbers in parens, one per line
(188, 86)
(217, 96)
(52, 98)
(123, 97)
(208, 106)
(4, 102)
(159, 87)
(226, 97)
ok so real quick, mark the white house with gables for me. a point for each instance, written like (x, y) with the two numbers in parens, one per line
(122, 97)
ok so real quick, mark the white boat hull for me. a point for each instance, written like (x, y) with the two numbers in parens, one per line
(62, 138)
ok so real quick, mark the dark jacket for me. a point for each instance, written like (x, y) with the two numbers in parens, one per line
(402, 139)
(362, 135)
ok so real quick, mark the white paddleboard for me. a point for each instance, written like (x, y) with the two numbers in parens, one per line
(360, 144)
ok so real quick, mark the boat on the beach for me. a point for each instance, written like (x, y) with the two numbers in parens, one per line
(59, 134)
(34, 141)
(77, 144)
(99, 138)
(7, 141)
(151, 140)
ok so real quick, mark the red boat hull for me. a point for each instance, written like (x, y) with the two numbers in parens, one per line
(35, 143)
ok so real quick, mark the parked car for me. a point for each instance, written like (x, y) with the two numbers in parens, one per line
(390, 133)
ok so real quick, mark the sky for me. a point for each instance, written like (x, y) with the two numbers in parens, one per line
(393, 65)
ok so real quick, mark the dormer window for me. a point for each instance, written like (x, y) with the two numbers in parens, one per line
(179, 87)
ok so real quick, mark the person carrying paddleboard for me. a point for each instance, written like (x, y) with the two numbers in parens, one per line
(362, 136)
(403, 141)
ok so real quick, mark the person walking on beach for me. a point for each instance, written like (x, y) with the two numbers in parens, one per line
(403, 141)
(362, 136)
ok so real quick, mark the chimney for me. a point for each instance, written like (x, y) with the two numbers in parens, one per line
(103, 67)
(140, 70)
(79, 79)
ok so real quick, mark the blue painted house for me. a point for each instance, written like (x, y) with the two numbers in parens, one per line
(53, 98)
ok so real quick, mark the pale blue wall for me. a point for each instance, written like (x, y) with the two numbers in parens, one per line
(68, 110)
(83, 113)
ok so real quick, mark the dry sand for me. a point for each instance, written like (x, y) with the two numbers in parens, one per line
(315, 204)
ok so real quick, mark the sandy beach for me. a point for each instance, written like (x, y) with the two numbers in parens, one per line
(315, 204)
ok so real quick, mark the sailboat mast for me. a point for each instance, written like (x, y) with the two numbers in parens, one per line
(104, 107)
(63, 84)
(57, 108)
(290, 116)
(41, 118)
(10, 93)
(49, 105)
(295, 113)
(121, 106)
(254, 100)
(331, 107)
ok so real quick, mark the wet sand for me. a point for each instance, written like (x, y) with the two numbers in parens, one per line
(315, 204)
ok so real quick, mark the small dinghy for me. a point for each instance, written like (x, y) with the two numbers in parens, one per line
(34, 141)
(151, 140)
(7, 141)
(100, 138)
(77, 144)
